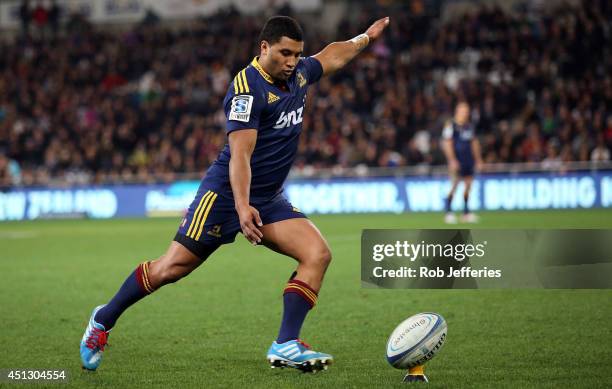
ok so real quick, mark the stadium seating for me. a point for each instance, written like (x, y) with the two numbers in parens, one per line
(91, 105)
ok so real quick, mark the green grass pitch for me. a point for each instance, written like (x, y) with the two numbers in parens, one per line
(213, 328)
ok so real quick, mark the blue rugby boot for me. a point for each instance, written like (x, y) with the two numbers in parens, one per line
(93, 342)
(297, 354)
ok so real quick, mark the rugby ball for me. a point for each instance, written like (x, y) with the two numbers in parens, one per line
(416, 340)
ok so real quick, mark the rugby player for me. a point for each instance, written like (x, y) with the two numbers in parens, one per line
(242, 191)
(462, 150)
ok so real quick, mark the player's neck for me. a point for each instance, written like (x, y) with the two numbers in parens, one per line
(265, 67)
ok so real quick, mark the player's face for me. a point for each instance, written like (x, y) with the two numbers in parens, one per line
(462, 113)
(282, 57)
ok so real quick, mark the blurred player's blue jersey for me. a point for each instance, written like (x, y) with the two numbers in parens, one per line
(253, 100)
(462, 137)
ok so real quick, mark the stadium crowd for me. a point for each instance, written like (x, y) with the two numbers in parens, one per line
(90, 105)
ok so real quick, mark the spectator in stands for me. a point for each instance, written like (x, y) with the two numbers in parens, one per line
(10, 173)
(54, 18)
(600, 153)
(552, 161)
(25, 15)
(40, 16)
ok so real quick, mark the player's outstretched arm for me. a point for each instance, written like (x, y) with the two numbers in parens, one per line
(337, 54)
(242, 144)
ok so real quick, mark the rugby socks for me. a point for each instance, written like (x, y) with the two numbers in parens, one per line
(298, 299)
(465, 204)
(135, 287)
(449, 199)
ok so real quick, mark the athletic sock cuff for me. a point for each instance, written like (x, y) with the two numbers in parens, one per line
(142, 277)
(302, 288)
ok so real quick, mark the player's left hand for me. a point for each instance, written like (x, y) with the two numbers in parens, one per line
(377, 28)
(250, 221)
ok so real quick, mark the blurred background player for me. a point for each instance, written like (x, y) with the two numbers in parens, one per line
(462, 151)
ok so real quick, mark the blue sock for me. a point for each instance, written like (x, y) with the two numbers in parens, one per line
(135, 287)
(298, 299)
(449, 199)
(465, 205)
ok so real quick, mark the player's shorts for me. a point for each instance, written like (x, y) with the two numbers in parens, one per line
(466, 169)
(212, 220)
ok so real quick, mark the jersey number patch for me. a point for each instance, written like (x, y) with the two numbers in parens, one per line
(291, 118)
(241, 108)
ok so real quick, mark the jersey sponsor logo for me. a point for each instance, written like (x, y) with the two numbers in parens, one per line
(301, 79)
(289, 119)
(241, 108)
(272, 98)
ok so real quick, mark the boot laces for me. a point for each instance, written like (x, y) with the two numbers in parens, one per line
(97, 339)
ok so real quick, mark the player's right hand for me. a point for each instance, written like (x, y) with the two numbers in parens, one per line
(478, 166)
(453, 166)
(249, 223)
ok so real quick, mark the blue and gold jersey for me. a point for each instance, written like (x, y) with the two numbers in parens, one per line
(462, 137)
(254, 101)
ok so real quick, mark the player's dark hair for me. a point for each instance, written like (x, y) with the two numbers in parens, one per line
(279, 26)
